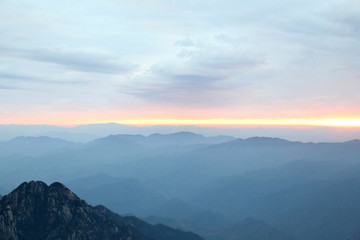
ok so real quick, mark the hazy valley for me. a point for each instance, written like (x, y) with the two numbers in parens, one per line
(217, 187)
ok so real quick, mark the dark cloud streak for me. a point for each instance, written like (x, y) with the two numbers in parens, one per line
(8, 87)
(74, 60)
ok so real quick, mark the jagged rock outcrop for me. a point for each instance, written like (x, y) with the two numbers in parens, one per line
(36, 211)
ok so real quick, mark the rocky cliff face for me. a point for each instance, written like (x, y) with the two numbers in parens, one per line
(35, 211)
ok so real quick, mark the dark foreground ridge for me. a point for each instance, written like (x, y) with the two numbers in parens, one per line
(36, 211)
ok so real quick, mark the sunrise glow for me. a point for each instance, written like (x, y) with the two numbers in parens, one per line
(218, 122)
(245, 122)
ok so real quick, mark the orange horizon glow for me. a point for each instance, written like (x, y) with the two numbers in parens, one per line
(223, 123)
(203, 117)
(245, 122)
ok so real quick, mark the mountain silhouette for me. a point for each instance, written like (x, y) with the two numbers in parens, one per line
(36, 211)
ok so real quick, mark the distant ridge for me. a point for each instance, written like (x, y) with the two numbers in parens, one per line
(252, 229)
(178, 138)
(269, 141)
(34, 146)
(261, 141)
(89, 132)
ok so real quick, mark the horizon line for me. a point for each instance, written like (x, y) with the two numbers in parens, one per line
(215, 123)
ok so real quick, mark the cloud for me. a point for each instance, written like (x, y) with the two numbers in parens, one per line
(193, 79)
(8, 87)
(200, 73)
(184, 43)
(11, 76)
(232, 55)
(347, 15)
(36, 79)
(72, 59)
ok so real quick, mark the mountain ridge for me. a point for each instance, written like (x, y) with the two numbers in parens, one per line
(36, 211)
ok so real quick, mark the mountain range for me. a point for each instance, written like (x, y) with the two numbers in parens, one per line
(89, 132)
(190, 182)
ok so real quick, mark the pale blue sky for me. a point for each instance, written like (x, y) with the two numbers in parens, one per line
(246, 57)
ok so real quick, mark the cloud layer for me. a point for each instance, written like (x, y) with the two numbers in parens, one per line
(247, 59)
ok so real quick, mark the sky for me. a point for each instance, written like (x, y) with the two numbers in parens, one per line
(180, 62)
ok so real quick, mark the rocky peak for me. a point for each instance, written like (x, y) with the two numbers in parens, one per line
(36, 211)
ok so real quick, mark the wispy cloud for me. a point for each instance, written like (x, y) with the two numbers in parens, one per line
(244, 56)
(8, 87)
(72, 59)
(201, 73)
